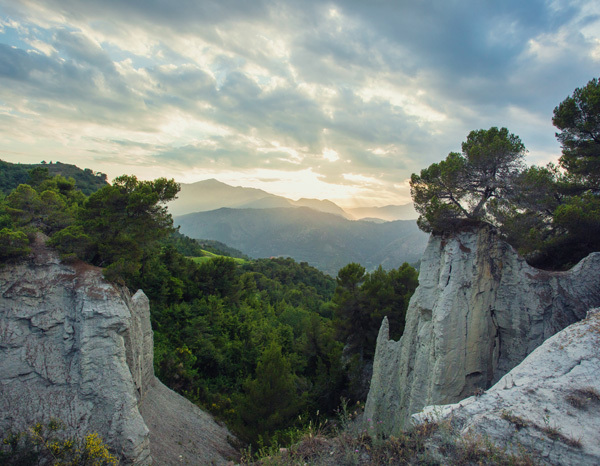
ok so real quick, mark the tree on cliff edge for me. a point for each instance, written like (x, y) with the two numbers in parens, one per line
(119, 226)
(550, 214)
(578, 119)
(461, 187)
(554, 217)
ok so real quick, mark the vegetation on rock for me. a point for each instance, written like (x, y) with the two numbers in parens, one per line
(338, 442)
(462, 186)
(550, 214)
(47, 444)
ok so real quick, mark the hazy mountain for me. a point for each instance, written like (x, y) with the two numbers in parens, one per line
(269, 202)
(212, 194)
(322, 206)
(324, 240)
(388, 212)
(372, 219)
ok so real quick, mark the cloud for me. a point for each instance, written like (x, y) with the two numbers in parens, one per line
(388, 87)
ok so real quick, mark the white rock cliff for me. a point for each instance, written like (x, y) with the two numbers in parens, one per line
(548, 406)
(478, 311)
(77, 348)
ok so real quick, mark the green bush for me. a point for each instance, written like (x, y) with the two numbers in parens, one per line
(13, 244)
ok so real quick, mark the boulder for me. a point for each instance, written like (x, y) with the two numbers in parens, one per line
(548, 406)
(478, 311)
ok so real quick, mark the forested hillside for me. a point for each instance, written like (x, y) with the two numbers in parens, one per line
(86, 180)
(324, 240)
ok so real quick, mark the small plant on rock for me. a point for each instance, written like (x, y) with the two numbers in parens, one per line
(47, 444)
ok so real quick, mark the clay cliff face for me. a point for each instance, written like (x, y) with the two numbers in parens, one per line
(77, 348)
(479, 311)
(547, 405)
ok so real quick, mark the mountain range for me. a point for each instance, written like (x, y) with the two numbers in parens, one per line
(212, 194)
(319, 232)
(326, 241)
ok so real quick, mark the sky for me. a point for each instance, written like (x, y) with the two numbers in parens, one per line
(341, 100)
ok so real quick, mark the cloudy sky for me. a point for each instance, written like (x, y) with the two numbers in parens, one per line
(303, 98)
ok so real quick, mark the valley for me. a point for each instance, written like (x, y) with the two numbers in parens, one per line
(325, 241)
(308, 230)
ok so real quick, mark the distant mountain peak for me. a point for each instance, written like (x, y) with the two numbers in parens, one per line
(210, 181)
(212, 194)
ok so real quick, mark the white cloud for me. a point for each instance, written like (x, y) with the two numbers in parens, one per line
(330, 155)
(345, 98)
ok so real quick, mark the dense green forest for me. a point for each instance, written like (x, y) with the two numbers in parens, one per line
(12, 175)
(262, 344)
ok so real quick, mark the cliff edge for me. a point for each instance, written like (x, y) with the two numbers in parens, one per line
(549, 405)
(478, 311)
(77, 348)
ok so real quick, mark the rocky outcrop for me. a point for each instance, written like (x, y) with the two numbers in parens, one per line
(549, 405)
(77, 348)
(478, 311)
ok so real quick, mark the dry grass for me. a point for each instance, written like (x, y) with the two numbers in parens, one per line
(555, 434)
(515, 420)
(583, 398)
(430, 443)
(552, 432)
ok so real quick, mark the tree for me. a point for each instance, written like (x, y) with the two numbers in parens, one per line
(13, 244)
(459, 189)
(37, 175)
(124, 221)
(362, 300)
(578, 119)
(350, 316)
(553, 218)
(526, 218)
(23, 204)
(271, 398)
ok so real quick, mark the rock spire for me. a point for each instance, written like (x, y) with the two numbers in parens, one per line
(478, 311)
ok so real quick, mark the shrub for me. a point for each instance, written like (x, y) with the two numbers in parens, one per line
(13, 244)
(48, 444)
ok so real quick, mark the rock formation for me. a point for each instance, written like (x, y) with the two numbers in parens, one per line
(77, 348)
(478, 311)
(549, 405)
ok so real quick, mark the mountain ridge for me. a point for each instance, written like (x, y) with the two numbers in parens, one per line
(326, 241)
(211, 194)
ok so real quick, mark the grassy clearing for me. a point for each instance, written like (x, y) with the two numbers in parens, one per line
(211, 255)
